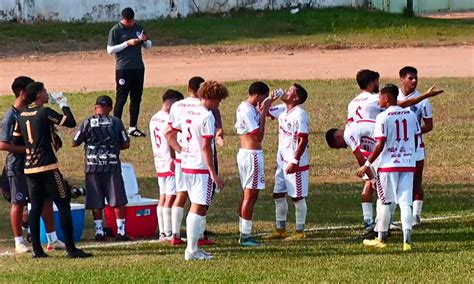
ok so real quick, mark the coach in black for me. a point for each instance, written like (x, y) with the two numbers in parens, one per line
(44, 180)
(125, 41)
(103, 137)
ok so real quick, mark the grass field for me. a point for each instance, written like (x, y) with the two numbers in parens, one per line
(325, 28)
(444, 249)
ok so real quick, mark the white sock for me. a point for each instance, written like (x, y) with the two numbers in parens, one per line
(406, 215)
(167, 221)
(378, 203)
(384, 220)
(368, 212)
(99, 230)
(159, 214)
(417, 206)
(176, 219)
(120, 226)
(240, 224)
(300, 211)
(246, 228)
(281, 211)
(19, 240)
(193, 227)
(52, 237)
(203, 228)
(393, 207)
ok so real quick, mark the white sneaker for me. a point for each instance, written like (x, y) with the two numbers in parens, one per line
(394, 227)
(57, 245)
(164, 239)
(21, 248)
(198, 255)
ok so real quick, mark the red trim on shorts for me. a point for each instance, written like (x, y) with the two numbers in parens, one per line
(209, 191)
(177, 160)
(301, 134)
(303, 169)
(255, 131)
(381, 138)
(195, 171)
(165, 174)
(397, 170)
(378, 187)
(208, 136)
(255, 171)
(299, 184)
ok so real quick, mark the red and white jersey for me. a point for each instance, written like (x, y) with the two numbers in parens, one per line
(176, 113)
(364, 106)
(160, 146)
(360, 135)
(400, 129)
(197, 124)
(291, 125)
(422, 109)
(247, 119)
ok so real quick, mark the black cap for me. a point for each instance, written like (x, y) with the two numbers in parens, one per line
(104, 101)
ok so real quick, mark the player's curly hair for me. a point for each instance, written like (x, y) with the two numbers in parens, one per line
(210, 90)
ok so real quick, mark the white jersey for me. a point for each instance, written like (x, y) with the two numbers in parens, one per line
(422, 109)
(399, 128)
(247, 119)
(160, 146)
(291, 125)
(196, 124)
(176, 113)
(364, 106)
(360, 135)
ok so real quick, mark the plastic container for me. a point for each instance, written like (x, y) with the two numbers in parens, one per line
(77, 212)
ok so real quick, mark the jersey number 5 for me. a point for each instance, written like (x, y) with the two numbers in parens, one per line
(405, 130)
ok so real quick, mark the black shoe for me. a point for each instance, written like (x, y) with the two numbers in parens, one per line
(99, 237)
(135, 132)
(209, 233)
(108, 232)
(40, 254)
(368, 235)
(122, 238)
(77, 253)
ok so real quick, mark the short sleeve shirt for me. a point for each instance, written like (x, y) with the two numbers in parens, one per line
(247, 119)
(102, 136)
(131, 56)
(360, 135)
(364, 106)
(14, 163)
(160, 146)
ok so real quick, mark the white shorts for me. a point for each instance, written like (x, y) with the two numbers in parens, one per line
(420, 154)
(167, 185)
(395, 187)
(295, 185)
(179, 176)
(199, 188)
(251, 169)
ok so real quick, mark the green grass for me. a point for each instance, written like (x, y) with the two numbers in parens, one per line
(325, 28)
(443, 249)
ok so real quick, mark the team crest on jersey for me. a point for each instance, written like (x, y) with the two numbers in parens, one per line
(94, 122)
(138, 34)
(121, 82)
(19, 196)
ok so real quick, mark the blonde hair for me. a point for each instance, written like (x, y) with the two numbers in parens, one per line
(212, 90)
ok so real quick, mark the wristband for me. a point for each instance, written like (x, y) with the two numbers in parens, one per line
(294, 161)
(367, 164)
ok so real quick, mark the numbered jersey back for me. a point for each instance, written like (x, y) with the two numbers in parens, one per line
(160, 146)
(363, 107)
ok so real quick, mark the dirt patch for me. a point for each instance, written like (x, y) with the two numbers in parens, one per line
(92, 71)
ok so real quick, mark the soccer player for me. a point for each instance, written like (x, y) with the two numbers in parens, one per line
(396, 131)
(292, 174)
(250, 126)
(424, 114)
(359, 136)
(103, 137)
(35, 126)
(16, 179)
(198, 129)
(164, 158)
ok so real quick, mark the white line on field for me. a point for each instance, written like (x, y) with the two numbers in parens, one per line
(316, 229)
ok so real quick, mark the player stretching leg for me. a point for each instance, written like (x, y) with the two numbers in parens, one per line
(164, 158)
(250, 125)
(396, 131)
(292, 172)
(198, 128)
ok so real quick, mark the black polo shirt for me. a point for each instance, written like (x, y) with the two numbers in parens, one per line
(131, 57)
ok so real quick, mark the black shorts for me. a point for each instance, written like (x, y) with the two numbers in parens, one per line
(18, 189)
(48, 185)
(105, 185)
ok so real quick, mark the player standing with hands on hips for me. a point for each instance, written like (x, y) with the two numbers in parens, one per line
(125, 41)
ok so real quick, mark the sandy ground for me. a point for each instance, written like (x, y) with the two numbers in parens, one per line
(94, 71)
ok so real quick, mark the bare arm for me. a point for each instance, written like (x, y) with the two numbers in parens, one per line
(427, 125)
(15, 149)
(431, 92)
(172, 137)
(300, 148)
(359, 157)
(375, 154)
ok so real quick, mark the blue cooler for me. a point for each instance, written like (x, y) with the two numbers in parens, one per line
(77, 212)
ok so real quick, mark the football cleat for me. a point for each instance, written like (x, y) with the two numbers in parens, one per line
(198, 255)
(57, 245)
(99, 237)
(375, 243)
(278, 234)
(77, 253)
(394, 227)
(407, 247)
(122, 238)
(205, 242)
(369, 226)
(295, 237)
(40, 254)
(21, 248)
(164, 239)
(177, 241)
(416, 220)
(135, 132)
(368, 235)
(248, 242)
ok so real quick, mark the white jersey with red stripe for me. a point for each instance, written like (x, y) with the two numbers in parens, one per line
(247, 119)
(176, 113)
(399, 128)
(291, 125)
(197, 124)
(160, 146)
(360, 135)
(363, 106)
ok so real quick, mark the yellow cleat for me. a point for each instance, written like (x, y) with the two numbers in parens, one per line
(278, 234)
(375, 243)
(407, 247)
(296, 236)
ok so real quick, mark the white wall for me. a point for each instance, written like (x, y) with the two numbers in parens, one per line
(109, 10)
